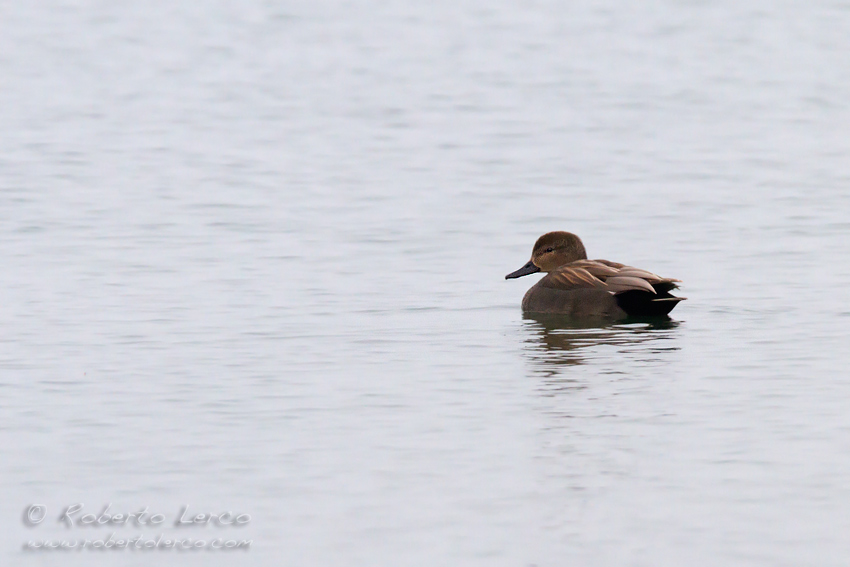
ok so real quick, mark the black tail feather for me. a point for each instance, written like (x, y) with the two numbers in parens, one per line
(644, 304)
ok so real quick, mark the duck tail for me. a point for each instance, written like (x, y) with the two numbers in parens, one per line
(639, 303)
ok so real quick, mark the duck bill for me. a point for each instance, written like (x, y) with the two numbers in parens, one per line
(529, 268)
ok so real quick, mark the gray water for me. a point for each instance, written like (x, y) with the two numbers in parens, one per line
(253, 258)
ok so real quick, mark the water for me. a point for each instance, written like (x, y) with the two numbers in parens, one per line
(253, 260)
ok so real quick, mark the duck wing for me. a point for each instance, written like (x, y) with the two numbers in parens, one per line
(611, 276)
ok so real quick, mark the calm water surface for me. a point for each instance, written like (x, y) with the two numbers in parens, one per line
(253, 258)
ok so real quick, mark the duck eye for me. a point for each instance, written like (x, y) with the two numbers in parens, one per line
(550, 249)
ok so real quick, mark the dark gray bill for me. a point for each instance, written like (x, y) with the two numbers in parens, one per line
(529, 268)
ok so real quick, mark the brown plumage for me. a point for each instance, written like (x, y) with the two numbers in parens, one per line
(580, 287)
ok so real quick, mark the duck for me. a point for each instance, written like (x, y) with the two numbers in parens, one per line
(582, 288)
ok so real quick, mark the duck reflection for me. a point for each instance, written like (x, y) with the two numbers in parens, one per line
(553, 342)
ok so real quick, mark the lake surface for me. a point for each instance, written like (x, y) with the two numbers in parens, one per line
(253, 258)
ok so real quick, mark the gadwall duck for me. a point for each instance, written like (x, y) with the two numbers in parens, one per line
(580, 287)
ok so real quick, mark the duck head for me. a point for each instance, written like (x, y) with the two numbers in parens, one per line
(551, 251)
